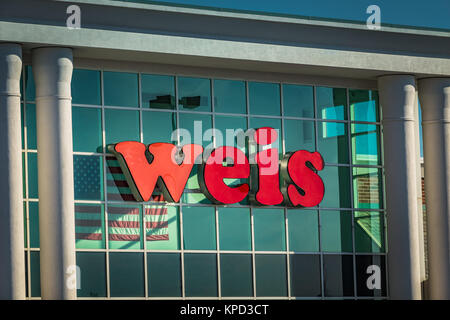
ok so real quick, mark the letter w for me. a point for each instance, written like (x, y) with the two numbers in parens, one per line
(144, 169)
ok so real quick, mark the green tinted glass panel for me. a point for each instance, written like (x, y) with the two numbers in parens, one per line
(264, 98)
(338, 275)
(270, 275)
(236, 275)
(31, 126)
(35, 274)
(89, 226)
(88, 177)
(30, 90)
(333, 141)
(121, 125)
(369, 232)
(126, 274)
(363, 262)
(116, 185)
(158, 126)
(234, 229)
(199, 228)
(87, 129)
(33, 213)
(303, 230)
(124, 227)
(336, 232)
(194, 94)
(200, 275)
(269, 231)
(32, 176)
(299, 135)
(196, 125)
(298, 101)
(363, 105)
(305, 275)
(367, 188)
(192, 192)
(331, 103)
(230, 96)
(365, 146)
(162, 227)
(86, 87)
(92, 274)
(121, 89)
(164, 274)
(158, 91)
(337, 187)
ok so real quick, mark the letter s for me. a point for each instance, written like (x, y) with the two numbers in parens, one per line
(304, 186)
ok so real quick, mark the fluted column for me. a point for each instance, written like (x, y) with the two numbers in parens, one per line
(12, 254)
(397, 98)
(52, 69)
(434, 95)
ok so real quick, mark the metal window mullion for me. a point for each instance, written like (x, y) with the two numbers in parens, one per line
(219, 280)
(252, 229)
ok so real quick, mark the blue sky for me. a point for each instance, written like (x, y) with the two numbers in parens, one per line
(415, 13)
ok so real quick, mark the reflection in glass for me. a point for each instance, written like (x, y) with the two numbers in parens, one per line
(364, 105)
(124, 227)
(338, 275)
(369, 231)
(126, 274)
(121, 125)
(162, 227)
(365, 146)
(337, 187)
(158, 91)
(298, 101)
(303, 230)
(305, 275)
(367, 188)
(230, 96)
(158, 126)
(88, 177)
(194, 94)
(336, 231)
(264, 98)
(331, 103)
(333, 141)
(89, 226)
(299, 135)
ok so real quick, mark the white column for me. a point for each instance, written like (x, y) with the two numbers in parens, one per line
(397, 98)
(434, 97)
(52, 69)
(12, 254)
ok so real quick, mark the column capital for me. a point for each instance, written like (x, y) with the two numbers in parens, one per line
(434, 104)
(397, 97)
(11, 68)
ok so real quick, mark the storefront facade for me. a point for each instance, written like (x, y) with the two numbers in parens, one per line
(77, 96)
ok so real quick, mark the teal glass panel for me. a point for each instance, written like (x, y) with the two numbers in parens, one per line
(199, 228)
(298, 101)
(269, 230)
(271, 279)
(369, 232)
(230, 96)
(232, 131)
(194, 94)
(32, 175)
(367, 188)
(363, 262)
(196, 125)
(121, 125)
(336, 231)
(89, 226)
(200, 275)
(31, 126)
(162, 227)
(124, 227)
(158, 126)
(92, 274)
(86, 87)
(333, 141)
(33, 214)
(264, 98)
(87, 129)
(24, 175)
(158, 91)
(164, 274)
(364, 105)
(256, 123)
(30, 88)
(303, 230)
(35, 274)
(126, 274)
(305, 275)
(337, 187)
(331, 103)
(299, 135)
(25, 225)
(338, 275)
(365, 144)
(236, 275)
(192, 192)
(117, 188)
(235, 229)
(22, 125)
(88, 177)
(121, 89)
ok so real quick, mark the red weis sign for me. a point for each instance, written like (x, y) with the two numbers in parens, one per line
(168, 167)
